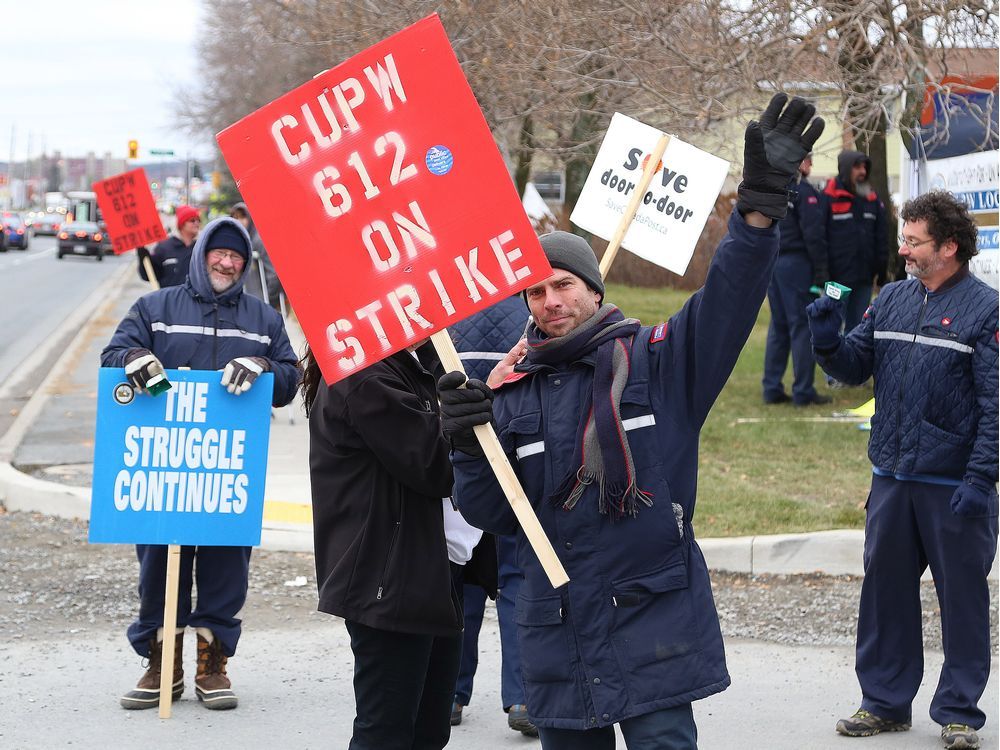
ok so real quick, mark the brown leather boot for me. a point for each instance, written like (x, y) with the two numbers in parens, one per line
(211, 684)
(146, 693)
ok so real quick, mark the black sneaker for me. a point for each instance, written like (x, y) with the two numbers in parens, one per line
(865, 724)
(959, 736)
(456, 713)
(817, 400)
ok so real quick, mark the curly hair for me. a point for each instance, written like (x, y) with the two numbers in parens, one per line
(947, 219)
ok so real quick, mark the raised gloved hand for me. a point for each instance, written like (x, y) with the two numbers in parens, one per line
(772, 151)
(462, 409)
(141, 366)
(973, 498)
(826, 316)
(240, 373)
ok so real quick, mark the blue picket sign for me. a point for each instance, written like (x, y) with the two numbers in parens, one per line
(187, 466)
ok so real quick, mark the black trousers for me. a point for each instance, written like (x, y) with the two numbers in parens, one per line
(403, 687)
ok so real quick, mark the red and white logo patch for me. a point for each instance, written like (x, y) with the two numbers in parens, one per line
(946, 321)
(812, 200)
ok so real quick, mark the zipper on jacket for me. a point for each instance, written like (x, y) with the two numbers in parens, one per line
(215, 338)
(906, 364)
(388, 556)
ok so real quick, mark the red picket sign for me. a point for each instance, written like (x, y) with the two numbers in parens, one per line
(129, 210)
(383, 201)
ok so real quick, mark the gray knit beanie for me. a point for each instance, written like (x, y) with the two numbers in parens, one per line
(572, 253)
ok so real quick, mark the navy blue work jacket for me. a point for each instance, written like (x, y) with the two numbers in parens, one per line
(636, 628)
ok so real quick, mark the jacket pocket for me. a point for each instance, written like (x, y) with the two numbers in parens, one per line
(544, 640)
(639, 422)
(521, 435)
(941, 452)
(654, 618)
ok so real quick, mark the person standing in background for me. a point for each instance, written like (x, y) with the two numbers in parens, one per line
(172, 257)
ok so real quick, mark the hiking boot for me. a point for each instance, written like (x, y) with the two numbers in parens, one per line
(211, 684)
(456, 713)
(865, 724)
(959, 736)
(517, 719)
(146, 693)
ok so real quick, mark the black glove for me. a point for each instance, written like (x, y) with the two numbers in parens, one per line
(241, 372)
(825, 317)
(462, 409)
(772, 152)
(141, 366)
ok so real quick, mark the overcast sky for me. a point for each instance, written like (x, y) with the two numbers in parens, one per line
(89, 75)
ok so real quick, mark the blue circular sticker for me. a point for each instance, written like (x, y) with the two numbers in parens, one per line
(439, 160)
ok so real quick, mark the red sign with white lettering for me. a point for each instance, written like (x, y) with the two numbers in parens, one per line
(383, 201)
(129, 210)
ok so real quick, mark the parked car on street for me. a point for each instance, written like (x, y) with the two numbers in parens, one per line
(80, 238)
(16, 232)
(47, 223)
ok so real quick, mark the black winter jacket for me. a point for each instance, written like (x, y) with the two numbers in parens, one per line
(380, 468)
(171, 259)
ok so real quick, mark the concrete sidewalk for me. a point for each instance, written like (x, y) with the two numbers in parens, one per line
(46, 459)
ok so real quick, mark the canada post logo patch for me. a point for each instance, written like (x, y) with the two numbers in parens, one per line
(659, 333)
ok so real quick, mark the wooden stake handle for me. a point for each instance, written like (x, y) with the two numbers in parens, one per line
(633, 205)
(147, 264)
(169, 629)
(505, 476)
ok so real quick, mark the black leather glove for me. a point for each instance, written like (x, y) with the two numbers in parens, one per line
(462, 409)
(240, 373)
(772, 151)
(142, 366)
(825, 317)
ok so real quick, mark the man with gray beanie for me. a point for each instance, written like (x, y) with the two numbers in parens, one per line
(601, 423)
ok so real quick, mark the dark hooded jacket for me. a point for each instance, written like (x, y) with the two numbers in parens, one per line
(855, 226)
(192, 326)
(379, 469)
(260, 265)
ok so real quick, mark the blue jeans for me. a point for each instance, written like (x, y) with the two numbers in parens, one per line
(666, 729)
(788, 295)
(221, 576)
(511, 686)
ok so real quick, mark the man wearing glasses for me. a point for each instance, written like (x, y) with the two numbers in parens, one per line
(172, 256)
(207, 323)
(930, 342)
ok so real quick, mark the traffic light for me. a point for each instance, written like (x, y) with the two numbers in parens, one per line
(133, 149)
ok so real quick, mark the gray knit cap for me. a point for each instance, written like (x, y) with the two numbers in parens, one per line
(572, 253)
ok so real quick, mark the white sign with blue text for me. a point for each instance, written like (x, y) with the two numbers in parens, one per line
(185, 467)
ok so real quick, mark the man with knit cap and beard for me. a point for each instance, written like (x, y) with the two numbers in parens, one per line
(207, 323)
(601, 423)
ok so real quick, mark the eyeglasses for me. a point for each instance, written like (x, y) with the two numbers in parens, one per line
(234, 257)
(913, 245)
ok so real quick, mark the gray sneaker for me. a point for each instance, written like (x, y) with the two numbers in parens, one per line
(865, 724)
(959, 736)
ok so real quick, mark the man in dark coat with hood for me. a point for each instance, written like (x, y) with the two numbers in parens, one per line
(207, 323)
(855, 233)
